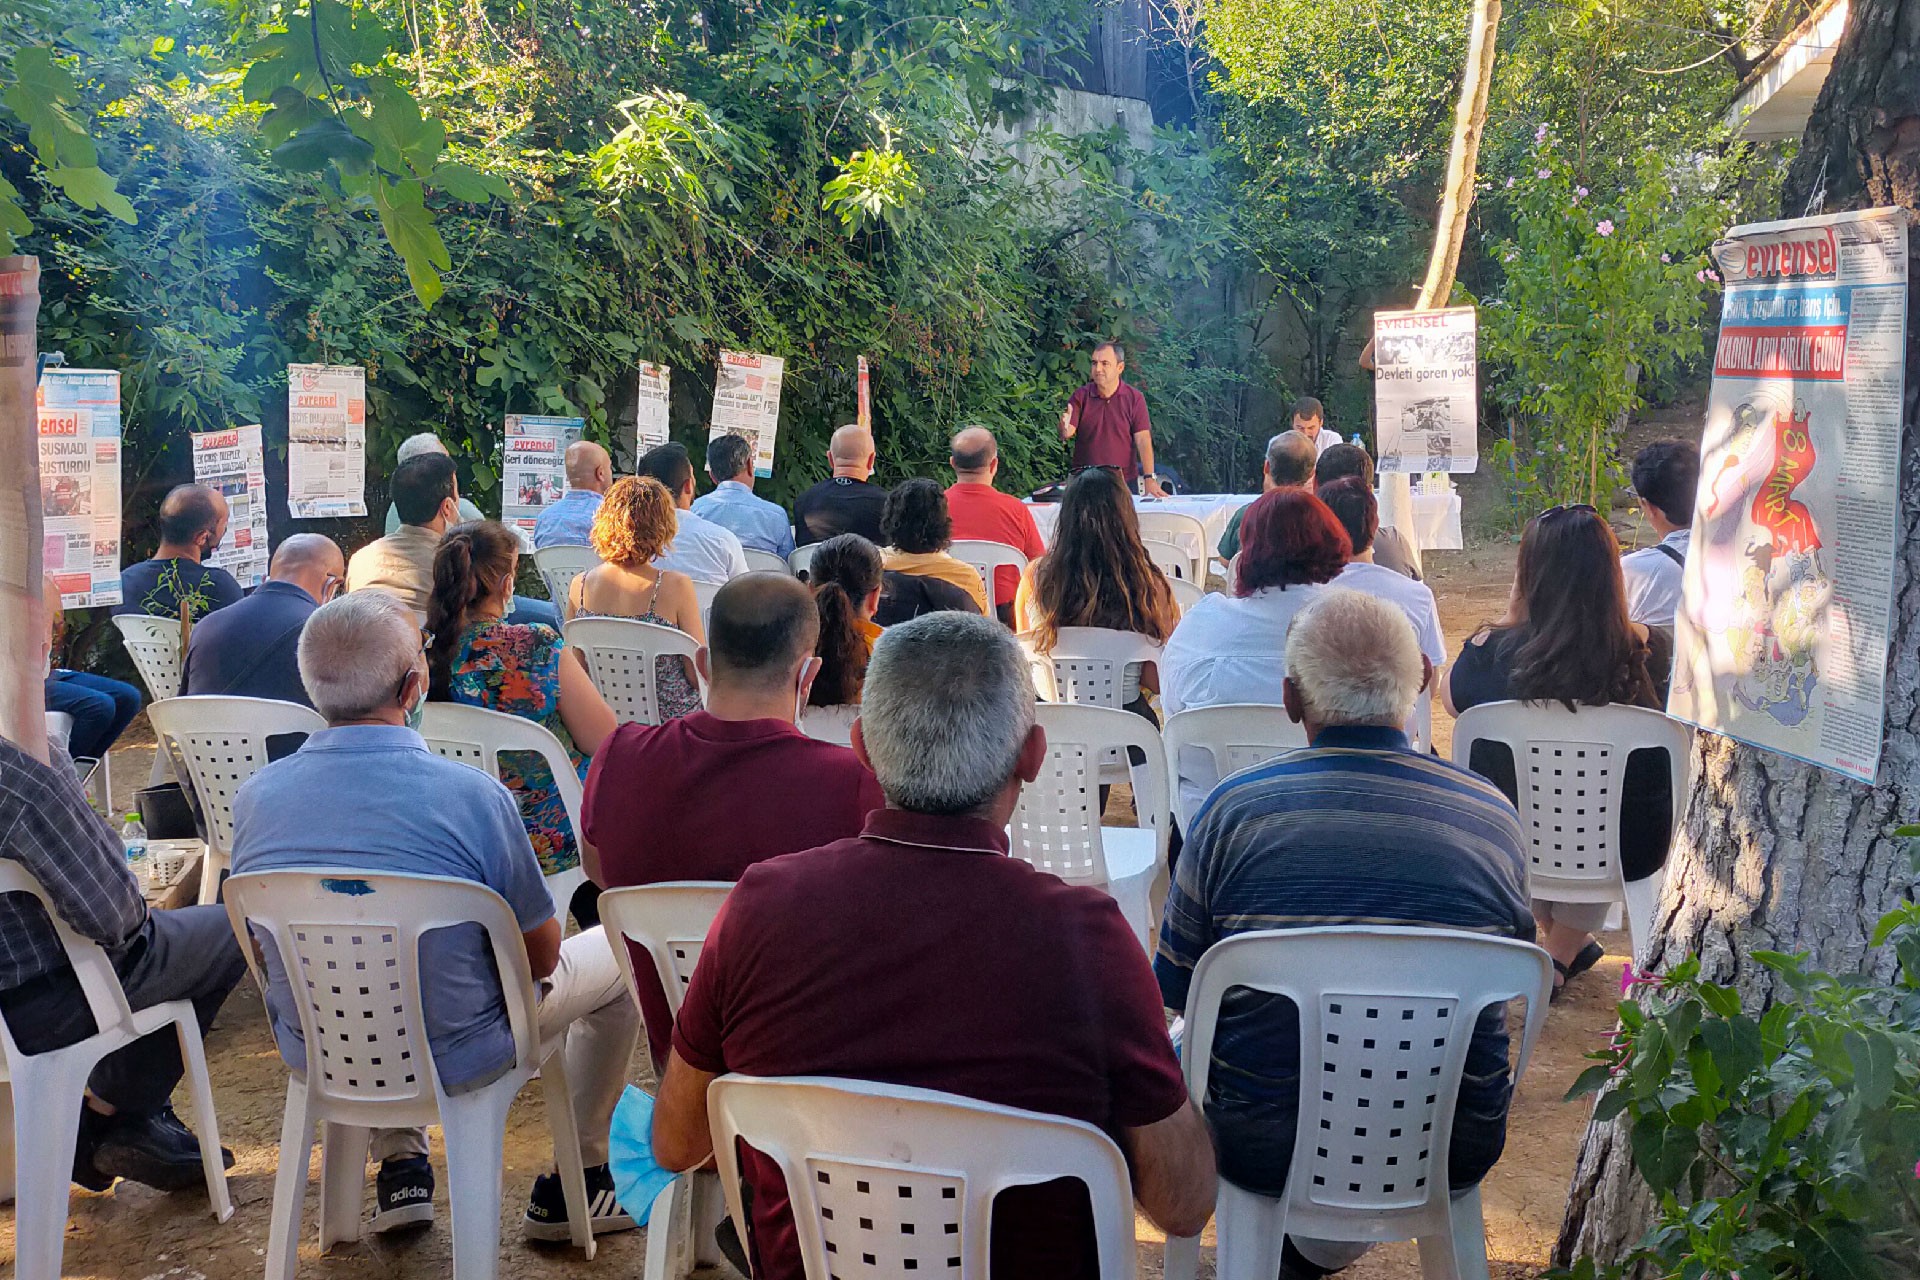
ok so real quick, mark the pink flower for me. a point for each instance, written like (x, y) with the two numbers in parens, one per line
(1509, 184)
(1540, 134)
(1544, 173)
(1626, 977)
(1701, 276)
(1579, 193)
(1604, 226)
(1665, 258)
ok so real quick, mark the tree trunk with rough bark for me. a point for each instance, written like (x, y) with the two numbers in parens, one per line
(1775, 854)
(23, 619)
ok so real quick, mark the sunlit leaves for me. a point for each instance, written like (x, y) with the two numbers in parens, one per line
(44, 96)
(872, 188)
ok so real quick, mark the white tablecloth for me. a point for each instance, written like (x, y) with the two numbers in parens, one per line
(1436, 516)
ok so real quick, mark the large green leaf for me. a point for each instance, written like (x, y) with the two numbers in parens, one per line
(324, 142)
(410, 230)
(92, 188)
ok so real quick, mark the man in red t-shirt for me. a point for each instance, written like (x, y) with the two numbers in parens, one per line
(1107, 421)
(706, 796)
(918, 953)
(979, 510)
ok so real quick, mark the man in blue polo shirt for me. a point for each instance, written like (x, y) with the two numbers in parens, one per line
(1357, 828)
(758, 523)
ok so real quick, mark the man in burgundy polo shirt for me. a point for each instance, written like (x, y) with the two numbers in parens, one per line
(979, 510)
(1107, 421)
(920, 954)
(706, 796)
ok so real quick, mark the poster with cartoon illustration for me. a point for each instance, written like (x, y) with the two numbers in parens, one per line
(1781, 639)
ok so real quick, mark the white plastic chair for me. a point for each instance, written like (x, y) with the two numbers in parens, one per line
(1185, 594)
(759, 561)
(560, 564)
(156, 647)
(831, 724)
(217, 743)
(985, 557)
(801, 558)
(1568, 767)
(1206, 744)
(368, 1061)
(1180, 530)
(40, 1095)
(476, 736)
(671, 921)
(1056, 825)
(1386, 1017)
(1170, 558)
(907, 1177)
(622, 656)
(1091, 666)
(95, 774)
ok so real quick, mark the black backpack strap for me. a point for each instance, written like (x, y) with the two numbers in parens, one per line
(1672, 553)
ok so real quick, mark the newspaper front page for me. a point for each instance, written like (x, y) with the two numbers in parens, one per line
(863, 412)
(746, 402)
(650, 416)
(234, 463)
(1426, 390)
(79, 416)
(326, 441)
(1782, 634)
(533, 471)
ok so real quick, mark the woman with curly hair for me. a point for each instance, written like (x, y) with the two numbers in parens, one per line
(478, 658)
(917, 531)
(635, 523)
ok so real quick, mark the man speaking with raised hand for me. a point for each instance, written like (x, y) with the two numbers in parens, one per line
(1107, 421)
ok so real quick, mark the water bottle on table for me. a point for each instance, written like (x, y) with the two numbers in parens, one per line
(133, 838)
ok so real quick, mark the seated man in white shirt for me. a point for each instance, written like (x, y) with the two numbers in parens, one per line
(1665, 475)
(1357, 509)
(702, 550)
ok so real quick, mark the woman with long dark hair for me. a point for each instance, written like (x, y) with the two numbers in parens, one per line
(845, 575)
(1097, 572)
(1567, 639)
(478, 658)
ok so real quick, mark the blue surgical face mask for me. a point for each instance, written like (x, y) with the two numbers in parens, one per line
(418, 711)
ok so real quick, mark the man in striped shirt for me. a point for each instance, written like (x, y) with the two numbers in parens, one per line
(1357, 828)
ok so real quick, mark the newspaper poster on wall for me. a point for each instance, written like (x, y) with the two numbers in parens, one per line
(746, 402)
(1426, 395)
(1782, 634)
(79, 420)
(326, 441)
(863, 412)
(234, 463)
(533, 471)
(650, 415)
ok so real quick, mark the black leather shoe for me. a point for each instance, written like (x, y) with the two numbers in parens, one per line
(156, 1150)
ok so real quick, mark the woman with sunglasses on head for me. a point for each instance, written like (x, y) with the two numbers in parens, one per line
(1567, 638)
(476, 657)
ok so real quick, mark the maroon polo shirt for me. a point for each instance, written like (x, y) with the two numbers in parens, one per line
(920, 954)
(701, 798)
(1104, 429)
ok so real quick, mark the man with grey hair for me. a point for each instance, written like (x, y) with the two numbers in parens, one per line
(419, 446)
(920, 954)
(351, 800)
(1356, 828)
(1288, 465)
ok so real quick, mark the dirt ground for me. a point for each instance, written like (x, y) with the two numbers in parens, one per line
(136, 1234)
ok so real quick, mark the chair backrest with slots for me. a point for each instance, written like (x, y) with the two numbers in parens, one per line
(560, 564)
(1386, 1018)
(985, 557)
(1091, 666)
(220, 742)
(622, 657)
(155, 646)
(888, 1181)
(1056, 824)
(1228, 737)
(1180, 530)
(801, 558)
(759, 561)
(670, 921)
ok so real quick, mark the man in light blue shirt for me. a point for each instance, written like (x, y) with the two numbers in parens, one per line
(569, 521)
(350, 800)
(755, 521)
(703, 550)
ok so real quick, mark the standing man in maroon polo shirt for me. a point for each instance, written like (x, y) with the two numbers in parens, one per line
(1107, 421)
(918, 953)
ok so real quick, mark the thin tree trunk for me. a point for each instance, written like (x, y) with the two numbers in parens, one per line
(1775, 854)
(23, 618)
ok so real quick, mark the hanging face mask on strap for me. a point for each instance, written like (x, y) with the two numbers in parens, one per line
(418, 711)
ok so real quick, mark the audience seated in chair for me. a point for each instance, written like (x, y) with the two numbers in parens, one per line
(570, 519)
(918, 953)
(915, 533)
(710, 794)
(1566, 638)
(251, 649)
(846, 501)
(1666, 475)
(193, 521)
(846, 578)
(127, 1125)
(704, 551)
(386, 803)
(1357, 828)
(101, 707)
(418, 446)
(1391, 549)
(758, 523)
(981, 512)
(1288, 465)
(477, 658)
(1354, 505)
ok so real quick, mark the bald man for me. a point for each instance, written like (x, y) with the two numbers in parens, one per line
(193, 520)
(249, 650)
(845, 502)
(980, 511)
(568, 521)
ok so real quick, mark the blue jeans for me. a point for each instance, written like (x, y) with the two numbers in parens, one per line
(101, 709)
(528, 610)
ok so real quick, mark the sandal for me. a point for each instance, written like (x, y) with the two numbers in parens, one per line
(1589, 956)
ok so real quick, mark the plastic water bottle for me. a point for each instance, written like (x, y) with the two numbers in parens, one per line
(1355, 442)
(133, 838)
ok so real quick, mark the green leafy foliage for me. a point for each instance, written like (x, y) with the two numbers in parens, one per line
(42, 94)
(1783, 1146)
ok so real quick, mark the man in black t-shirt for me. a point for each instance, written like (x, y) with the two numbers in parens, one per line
(845, 502)
(193, 520)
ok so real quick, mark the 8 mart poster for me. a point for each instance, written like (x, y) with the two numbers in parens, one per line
(79, 424)
(1781, 639)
